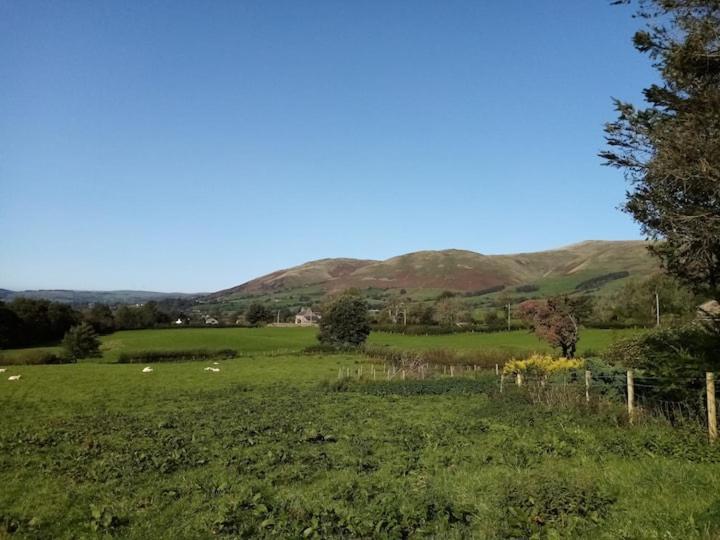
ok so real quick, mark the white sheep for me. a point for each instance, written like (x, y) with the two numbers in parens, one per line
(3, 370)
(213, 369)
(147, 369)
(14, 377)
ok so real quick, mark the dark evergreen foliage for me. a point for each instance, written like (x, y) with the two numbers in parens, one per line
(258, 313)
(344, 321)
(25, 322)
(670, 149)
(81, 341)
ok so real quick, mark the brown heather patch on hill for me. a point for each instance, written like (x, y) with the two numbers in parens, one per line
(321, 271)
(457, 270)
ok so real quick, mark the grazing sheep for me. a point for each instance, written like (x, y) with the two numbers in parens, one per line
(14, 377)
(147, 369)
(3, 370)
(213, 369)
(216, 363)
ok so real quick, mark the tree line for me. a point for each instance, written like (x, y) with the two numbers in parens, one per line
(26, 322)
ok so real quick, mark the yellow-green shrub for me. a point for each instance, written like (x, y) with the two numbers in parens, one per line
(542, 365)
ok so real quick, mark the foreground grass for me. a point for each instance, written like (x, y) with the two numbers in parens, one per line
(266, 448)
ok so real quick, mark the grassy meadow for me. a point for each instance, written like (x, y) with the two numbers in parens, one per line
(276, 446)
(591, 340)
(291, 340)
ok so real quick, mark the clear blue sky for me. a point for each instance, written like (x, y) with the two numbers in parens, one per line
(191, 146)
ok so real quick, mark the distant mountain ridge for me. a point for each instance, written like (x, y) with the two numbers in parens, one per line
(457, 270)
(564, 269)
(91, 297)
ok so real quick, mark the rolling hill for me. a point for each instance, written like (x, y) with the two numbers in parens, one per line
(91, 297)
(557, 270)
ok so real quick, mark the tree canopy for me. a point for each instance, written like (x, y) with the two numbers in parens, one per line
(258, 313)
(557, 320)
(81, 341)
(669, 149)
(344, 321)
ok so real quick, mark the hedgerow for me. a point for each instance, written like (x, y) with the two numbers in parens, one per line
(483, 358)
(33, 358)
(143, 357)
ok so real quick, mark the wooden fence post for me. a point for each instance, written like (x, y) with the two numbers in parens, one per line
(502, 380)
(518, 379)
(452, 371)
(403, 374)
(497, 370)
(587, 386)
(711, 406)
(631, 395)
(339, 373)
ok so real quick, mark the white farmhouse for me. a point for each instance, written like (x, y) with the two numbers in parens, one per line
(306, 317)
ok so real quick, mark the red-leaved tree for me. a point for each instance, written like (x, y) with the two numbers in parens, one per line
(556, 320)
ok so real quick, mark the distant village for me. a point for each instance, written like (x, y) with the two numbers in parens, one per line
(304, 317)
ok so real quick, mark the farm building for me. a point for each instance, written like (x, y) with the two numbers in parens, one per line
(306, 317)
(211, 321)
(709, 310)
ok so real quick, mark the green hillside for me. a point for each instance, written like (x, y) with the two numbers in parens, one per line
(592, 267)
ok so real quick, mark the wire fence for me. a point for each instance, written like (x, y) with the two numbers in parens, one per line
(678, 397)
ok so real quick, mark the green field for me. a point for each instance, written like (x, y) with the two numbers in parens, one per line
(244, 340)
(520, 340)
(276, 446)
(279, 340)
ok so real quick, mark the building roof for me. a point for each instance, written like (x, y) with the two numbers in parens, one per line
(709, 308)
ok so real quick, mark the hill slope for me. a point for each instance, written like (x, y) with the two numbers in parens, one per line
(457, 270)
(90, 297)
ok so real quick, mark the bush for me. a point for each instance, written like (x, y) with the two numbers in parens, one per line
(145, 357)
(484, 358)
(670, 351)
(81, 341)
(32, 358)
(258, 313)
(540, 365)
(322, 348)
(527, 288)
(344, 322)
(607, 380)
(670, 362)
